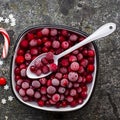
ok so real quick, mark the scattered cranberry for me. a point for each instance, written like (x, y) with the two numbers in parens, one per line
(2, 81)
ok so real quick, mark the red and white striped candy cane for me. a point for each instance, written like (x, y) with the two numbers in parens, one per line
(6, 42)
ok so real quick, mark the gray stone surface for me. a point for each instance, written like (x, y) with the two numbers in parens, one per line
(87, 15)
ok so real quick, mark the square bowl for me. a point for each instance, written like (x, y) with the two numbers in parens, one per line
(89, 86)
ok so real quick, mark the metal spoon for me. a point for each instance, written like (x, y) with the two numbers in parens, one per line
(103, 31)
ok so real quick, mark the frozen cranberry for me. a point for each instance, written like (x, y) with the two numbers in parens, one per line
(24, 44)
(64, 103)
(19, 59)
(38, 64)
(91, 53)
(28, 56)
(43, 90)
(52, 102)
(80, 79)
(75, 52)
(33, 43)
(83, 94)
(20, 52)
(41, 103)
(89, 78)
(45, 31)
(58, 75)
(63, 70)
(65, 62)
(91, 60)
(73, 76)
(45, 69)
(76, 85)
(44, 98)
(84, 62)
(69, 98)
(30, 92)
(48, 44)
(23, 72)
(53, 32)
(25, 98)
(80, 100)
(22, 92)
(38, 72)
(34, 51)
(32, 68)
(70, 85)
(73, 37)
(79, 56)
(49, 82)
(73, 103)
(39, 42)
(73, 92)
(79, 89)
(39, 34)
(64, 82)
(17, 71)
(43, 81)
(74, 66)
(25, 85)
(37, 95)
(56, 97)
(30, 36)
(55, 44)
(72, 58)
(55, 82)
(64, 32)
(61, 39)
(53, 67)
(81, 69)
(51, 90)
(90, 68)
(49, 56)
(65, 44)
(81, 38)
(36, 84)
(61, 90)
(44, 60)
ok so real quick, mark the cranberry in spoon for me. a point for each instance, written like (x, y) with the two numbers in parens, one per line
(103, 31)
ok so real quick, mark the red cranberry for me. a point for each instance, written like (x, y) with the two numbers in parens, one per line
(32, 68)
(90, 68)
(61, 39)
(79, 56)
(43, 81)
(89, 78)
(22, 92)
(37, 95)
(73, 37)
(61, 90)
(56, 97)
(58, 75)
(34, 51)
(45, 69)
(64, 32)
(39, 42)
(53, 32)
(53, 67)
(73, 103)
(72, 58)
(45, 31)
(44, 60)
(28, 56)
(49, 56)
(84, 62)
(69, 98)
(83, 94)
(63, 70)
(25, 85)
(64, 82)
(41, 103)
(91, 60)
(38, 72)
(19, 59)
(48, 44)
(36, 84)
(75, 52)
(73, 92)
(65, 45)
(51, 90)
(74, 66)
(55, 82)
(30, 36)
(17, 71)
(33, 43)
(55, 44)
(24, 44)
(72, 76)
(43, 90)
(91, 53)
(20, 52)
(65, 62)
(30, 92)
(39, 34)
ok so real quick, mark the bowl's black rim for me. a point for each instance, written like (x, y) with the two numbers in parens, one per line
(59, 27)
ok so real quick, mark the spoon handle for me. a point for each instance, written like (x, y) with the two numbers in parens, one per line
(103, 31)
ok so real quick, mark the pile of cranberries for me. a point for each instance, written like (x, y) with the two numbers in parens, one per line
(67, 85)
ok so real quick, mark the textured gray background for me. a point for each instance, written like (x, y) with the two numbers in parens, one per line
(87, 15)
